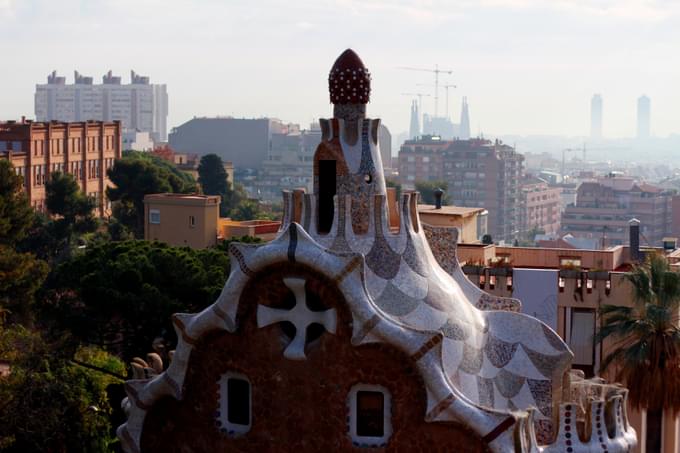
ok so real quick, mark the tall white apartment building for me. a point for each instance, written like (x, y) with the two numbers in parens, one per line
(139, 105)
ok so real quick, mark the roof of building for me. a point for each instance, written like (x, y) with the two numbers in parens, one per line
(460, 211)
(181, 198)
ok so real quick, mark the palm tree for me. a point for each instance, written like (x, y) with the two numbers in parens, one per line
(646, 337)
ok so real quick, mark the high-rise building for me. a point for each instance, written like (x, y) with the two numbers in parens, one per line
(464, 132)
(643, 117)
(84, 149)
(479, 173)
(596, 117)
(139, 105)
(414, 128)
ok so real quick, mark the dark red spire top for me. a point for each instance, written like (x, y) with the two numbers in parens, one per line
(349, 81)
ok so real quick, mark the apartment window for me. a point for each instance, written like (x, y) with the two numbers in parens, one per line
(492, 281)
(154, 216)
(234, 415)
(482, 280)
(192, 221)
(370, 411)
(508, 282)
(560, 284)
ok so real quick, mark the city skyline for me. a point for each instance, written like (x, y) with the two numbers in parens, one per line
(519, 80)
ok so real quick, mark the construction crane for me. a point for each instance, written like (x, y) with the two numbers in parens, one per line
(446, 88)
(436, 72)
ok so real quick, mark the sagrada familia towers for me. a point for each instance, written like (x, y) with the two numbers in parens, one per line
(345, 333)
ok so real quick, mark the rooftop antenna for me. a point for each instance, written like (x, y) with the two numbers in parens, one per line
(436, 72)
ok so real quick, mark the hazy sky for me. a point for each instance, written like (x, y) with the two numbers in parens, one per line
(527, 66)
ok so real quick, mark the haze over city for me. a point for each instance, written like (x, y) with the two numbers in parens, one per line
(527, 67)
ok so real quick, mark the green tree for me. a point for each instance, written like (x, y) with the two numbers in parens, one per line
(646, 337)
(427, 188)
(134, 177)
(16, 214)
(214, 181)
(21, 275)
(246, 210)
(50, 403)
(65, 199)
(121, 295)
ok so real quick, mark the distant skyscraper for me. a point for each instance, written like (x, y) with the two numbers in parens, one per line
(414, 129)
(596, 117)
(464, 121)
(643, 117)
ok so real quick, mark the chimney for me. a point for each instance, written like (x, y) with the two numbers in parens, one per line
(438, 193)
(634, 239)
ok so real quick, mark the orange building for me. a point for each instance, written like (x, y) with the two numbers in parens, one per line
(84, 149)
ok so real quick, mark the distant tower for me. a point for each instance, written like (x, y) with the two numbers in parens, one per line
(414, 129)
(643, 117)
(596, 117)
(464, 121)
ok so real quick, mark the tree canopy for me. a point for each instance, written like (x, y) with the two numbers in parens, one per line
(214, 180)
(122, 295)
(48, 402)
(16, 214)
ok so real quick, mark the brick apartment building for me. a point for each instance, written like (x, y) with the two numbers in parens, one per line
(479, 173)
(540, 206)
(604, 207)
(84, 149)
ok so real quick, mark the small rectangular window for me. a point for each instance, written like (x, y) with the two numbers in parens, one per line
(192, 221)
(370, 414)
(238, 401)
(154, 216)
(234, 416)
(370, 424)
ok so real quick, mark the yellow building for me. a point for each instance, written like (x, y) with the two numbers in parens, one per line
(181, 219)
(469, 221)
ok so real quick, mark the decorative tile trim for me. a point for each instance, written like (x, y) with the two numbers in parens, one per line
(424, 349)
(498, 430)
(440, 407)
(349, 268)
